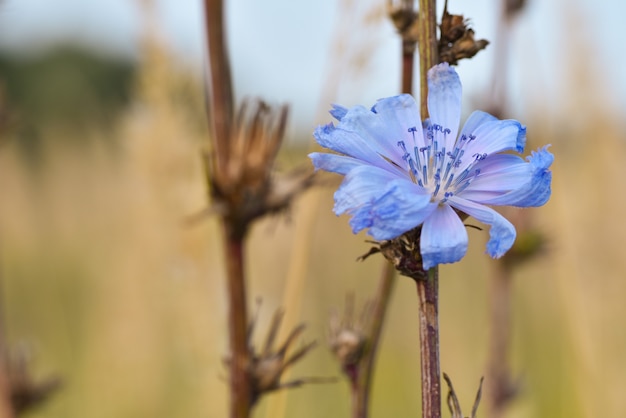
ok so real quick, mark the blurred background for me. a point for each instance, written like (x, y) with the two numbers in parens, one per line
(102, 123)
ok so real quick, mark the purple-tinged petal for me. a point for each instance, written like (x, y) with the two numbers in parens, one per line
(477, 118)
(443, 239)
(444, 103)
(536, 189)
(334, 163)
(354, 145)
(499, 174)
(502, 232)
(385, 204)
(401, 113)
(492, 137)
(375, 126)
(338, 111)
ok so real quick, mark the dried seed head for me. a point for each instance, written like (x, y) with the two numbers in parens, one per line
(268, 364)
(26, 392)
(457, 39)
(347, 337)
(243, 184)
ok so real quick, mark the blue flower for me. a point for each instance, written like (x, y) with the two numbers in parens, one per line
(400, 173)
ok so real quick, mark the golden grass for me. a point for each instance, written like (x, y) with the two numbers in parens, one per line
(127, 305)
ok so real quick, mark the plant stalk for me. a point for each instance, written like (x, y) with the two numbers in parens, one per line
(220, 89)
(428, 51)
(428, 294)
(427, 290)
(363, 382)
(240, 390)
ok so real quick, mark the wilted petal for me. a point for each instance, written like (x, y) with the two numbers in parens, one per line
(444, 238)
(444, 102)
(502, 232)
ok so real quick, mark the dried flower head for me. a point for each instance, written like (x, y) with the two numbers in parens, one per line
(240, 170)
(26, 392)
(269, 364)
(457, 39)
(347, 336)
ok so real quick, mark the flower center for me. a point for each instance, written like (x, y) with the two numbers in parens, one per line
(437, 169)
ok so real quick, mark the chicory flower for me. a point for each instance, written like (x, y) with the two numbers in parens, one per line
(401, 173)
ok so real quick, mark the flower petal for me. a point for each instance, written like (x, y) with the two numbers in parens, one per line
(491, 136)
(401, 113)
(444, 103)
(443, 239)
(499, 174)
(382, 202)
(334, 163)
(533, 185)
(354, 145)
(501, 234)
(385, 125)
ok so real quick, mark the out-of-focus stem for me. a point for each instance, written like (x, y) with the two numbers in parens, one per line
(240, 391)
(408, 59)
(427, 44)
(220, 104)
(362, 386)
(6, 407)
(220, 90)
(428, 294)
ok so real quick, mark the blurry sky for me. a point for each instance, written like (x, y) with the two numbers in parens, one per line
(284, 50)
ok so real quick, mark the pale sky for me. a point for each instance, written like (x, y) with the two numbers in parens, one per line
(283, 50)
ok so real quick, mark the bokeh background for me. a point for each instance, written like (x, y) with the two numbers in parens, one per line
(102, 123)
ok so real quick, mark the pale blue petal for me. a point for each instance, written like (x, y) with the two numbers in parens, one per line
(444, 103)
(499, 174)
(354, 145)
(443, 239)
(385, 204)
(502, 232)
(338, 111)
(491, 137)
(477, 118)
(536, 189)
(387, 124)
(334, 163)
(401, 113)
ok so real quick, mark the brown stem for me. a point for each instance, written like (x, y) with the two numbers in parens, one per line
(240, 391)
(6, 407)
(220, 90)
(427, 291)
(361, 388)
(427, 43)
(408, 57)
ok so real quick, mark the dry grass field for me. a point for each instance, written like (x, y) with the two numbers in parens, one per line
(107, 289)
